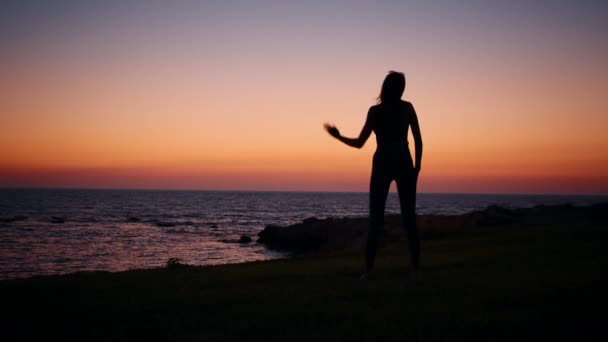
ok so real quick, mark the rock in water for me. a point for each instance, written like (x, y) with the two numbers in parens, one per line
(242, 239)
(57, 219)
(13, 219)
(245, 239)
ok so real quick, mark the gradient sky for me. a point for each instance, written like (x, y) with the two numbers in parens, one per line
(511, 95)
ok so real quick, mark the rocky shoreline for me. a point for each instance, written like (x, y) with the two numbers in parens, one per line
(314, 234)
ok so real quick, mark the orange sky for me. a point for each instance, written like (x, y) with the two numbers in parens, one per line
(159, 100)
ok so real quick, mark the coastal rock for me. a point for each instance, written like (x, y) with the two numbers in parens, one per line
(133, 219)
(310, 220)
(314, 234)
(165, 224)
(175, 263)
(599, 212)
(493, 216)
(333, 234)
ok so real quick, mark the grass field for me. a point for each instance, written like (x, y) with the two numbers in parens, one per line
(508, 283)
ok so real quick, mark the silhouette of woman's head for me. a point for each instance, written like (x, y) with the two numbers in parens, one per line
(392, 87)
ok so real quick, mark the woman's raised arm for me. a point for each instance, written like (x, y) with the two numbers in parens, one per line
(366, 131)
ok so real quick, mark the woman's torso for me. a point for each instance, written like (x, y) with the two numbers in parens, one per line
(391, 122)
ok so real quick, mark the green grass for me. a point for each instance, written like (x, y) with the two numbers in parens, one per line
(513, 283)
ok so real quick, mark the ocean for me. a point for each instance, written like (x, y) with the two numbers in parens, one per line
(55, 231)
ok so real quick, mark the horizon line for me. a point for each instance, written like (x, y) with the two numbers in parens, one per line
(297, 191)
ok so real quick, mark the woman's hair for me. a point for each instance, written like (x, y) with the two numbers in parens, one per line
(392, 87)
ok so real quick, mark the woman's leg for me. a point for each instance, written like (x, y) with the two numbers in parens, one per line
(406, 186)
(378, 190)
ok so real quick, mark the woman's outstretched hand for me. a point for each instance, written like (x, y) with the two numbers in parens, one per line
(332, 130)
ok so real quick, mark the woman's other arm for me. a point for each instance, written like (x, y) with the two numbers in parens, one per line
(417, 139)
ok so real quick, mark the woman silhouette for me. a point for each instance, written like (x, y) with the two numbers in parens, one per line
(390, 120)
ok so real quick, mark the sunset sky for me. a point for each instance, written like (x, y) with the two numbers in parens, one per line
(512, 96)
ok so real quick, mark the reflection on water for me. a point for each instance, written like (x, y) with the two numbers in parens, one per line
(114, 230)
(70, 247)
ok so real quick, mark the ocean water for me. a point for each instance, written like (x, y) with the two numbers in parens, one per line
(114, 230)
